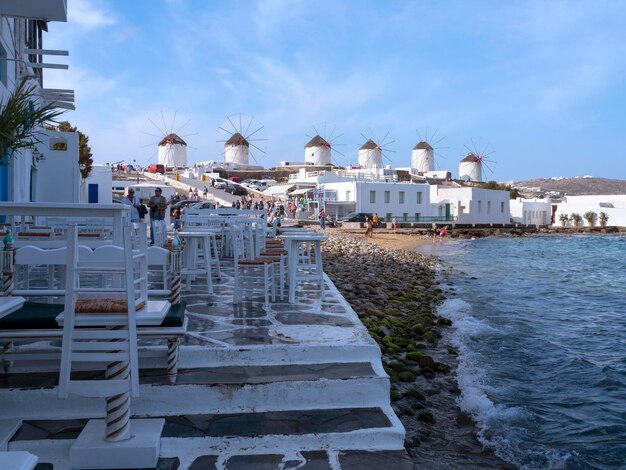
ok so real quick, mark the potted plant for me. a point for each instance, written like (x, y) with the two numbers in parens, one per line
(575, 218)
(603, 217)
(564, 219)
(590, 217)
(22, 121)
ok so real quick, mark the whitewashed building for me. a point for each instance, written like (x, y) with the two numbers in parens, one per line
(531, 211)
(613, 205)
(469, 205)
(173, 151)
(422, 158)
(370, 155)
(470, 168)
(33, 174)
(317, 151)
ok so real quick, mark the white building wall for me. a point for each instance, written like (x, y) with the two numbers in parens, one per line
(472, 205)
(58, 177)
(370, 158)
(388, 198)
(422, 160)
(317, 155)
(531, 211)
(613, 205)
(236, 154)
(173, 155)
(102, 176)
(470, 171)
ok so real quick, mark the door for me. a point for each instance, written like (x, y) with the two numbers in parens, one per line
(92, 193)
(448, 212)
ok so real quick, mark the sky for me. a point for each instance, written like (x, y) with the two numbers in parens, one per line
(537, 86)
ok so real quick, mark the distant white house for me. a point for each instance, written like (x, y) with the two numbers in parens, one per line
(613, 205)
(470, 205)
(531, 211)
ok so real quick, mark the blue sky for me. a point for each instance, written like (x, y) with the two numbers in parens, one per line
(538, 84)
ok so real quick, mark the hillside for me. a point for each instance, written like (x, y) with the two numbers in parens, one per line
(577, 186)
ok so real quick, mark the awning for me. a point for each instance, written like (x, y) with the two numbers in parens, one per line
(278, 190)
(301, 191)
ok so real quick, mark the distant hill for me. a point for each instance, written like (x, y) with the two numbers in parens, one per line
(578, 186)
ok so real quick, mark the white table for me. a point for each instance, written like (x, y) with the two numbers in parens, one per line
(10, 304)
(292, 242)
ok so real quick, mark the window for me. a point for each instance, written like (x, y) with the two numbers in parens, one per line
(480, 206)
(405, 216)
(401, 197)
(348, 195)
(419, 197)
(372, 197)
(488, 207)
(502, 207)
(417, 217)
(387, 197)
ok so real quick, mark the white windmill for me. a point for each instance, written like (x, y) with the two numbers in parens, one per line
(423, 154)
(318, 151)
(172, 151)
(471, 166)
(239, 138)
(371, 153)
(171, 147)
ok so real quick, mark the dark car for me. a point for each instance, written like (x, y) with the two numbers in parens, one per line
(356, 217)
(180, 205)
(235, 189)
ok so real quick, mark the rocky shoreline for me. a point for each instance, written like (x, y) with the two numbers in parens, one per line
(396, 293)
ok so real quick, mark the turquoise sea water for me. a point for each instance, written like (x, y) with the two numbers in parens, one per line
(540, 325)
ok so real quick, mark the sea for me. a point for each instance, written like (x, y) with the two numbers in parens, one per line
(540, 327)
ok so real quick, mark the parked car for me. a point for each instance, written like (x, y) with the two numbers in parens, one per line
(156, 168)
(235, 189)
(203, 205)
(219, 183)
(356, 217)
(236, 179)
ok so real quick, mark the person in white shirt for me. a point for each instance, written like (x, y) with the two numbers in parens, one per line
(134, 204)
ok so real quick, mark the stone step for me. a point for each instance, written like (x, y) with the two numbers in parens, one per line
(211, 390)
(244, 440)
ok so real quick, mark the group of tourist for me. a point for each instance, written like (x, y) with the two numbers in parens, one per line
(156, 206)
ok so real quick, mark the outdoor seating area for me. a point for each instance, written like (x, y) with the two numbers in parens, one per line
(117, 339)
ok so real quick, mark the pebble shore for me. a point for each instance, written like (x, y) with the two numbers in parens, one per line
(396, 293)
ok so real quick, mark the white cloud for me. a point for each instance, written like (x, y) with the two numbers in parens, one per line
(87, 15)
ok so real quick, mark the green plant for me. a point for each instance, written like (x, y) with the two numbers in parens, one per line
(603, 217)
(564, 218)
(590, 216)
(22, 121)
(575, 217)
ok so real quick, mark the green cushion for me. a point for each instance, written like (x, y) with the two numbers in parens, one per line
(33, 315)
(40, 316)
(175, 316)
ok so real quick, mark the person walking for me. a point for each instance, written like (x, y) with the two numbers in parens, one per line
(133, 202)
(322, 217)
(157, 205)
(369, 231)
(394, 224)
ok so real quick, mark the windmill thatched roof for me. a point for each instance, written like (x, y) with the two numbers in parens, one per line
(423, 145)
(237, 139)
(317, 141)
(470, 158)
(369, 145)
(172, 139)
